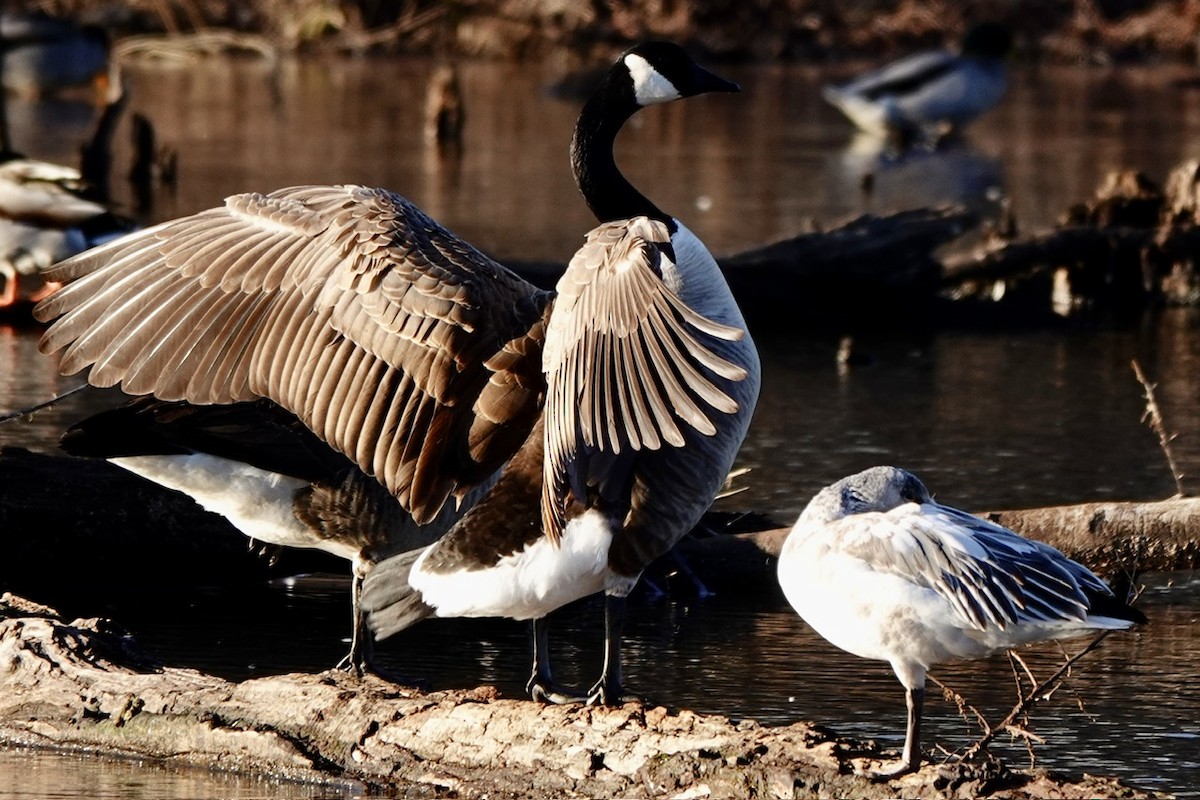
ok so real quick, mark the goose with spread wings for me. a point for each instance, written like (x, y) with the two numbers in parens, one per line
(884, 572)
(617, 403)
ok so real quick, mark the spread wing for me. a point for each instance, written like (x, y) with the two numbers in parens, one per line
(394, 341)
(626, 362)
(991, 576)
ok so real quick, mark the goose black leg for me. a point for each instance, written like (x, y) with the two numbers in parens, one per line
(541, 684)
(910, 760)
(358, 660)
(607, 690)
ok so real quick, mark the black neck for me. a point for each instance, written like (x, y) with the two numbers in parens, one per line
(605, 190)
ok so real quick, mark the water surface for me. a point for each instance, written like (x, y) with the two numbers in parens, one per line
(1033, 416)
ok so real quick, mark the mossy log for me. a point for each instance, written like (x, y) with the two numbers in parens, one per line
(86, 684)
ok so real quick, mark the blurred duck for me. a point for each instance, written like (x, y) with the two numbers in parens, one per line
(932, 93)
(44, 54)
(44, 218)
(884, 572)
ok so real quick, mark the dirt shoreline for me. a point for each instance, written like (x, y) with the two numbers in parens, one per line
(86, 684)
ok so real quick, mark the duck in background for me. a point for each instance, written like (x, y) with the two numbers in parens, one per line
(50, 211)
(884, 572)
(45, 216)
(926, 96)
(44, 54)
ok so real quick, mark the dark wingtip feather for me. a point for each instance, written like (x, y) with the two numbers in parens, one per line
(1101, 604)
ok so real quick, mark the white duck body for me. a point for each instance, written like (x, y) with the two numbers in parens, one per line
(957, 90)
(925, 91)
(873, 609)
(882, 571)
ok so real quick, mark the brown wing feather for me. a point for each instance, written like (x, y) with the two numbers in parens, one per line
(622, 360)
(399, 344)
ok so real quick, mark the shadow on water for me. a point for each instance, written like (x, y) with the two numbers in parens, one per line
(1031, 416)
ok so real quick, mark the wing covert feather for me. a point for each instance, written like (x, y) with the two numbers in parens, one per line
(990, 575)
(346, 305)
(625, 362)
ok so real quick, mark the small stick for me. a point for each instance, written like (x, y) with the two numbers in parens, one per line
(1154, 417)
(25, 412)
(963, 705)
(1038, 693)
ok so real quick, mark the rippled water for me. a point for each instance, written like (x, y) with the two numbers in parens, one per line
(989, 420)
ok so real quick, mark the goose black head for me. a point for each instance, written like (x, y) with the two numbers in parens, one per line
(661, 72)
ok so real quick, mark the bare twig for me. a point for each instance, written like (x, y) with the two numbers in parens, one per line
(1153, 416)
(1040, 692)
(962, 704)
(25, 412)
(1015, 658)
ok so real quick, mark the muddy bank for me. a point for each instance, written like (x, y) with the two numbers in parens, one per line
(87, 684)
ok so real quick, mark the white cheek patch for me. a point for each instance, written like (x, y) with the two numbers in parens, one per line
(649, 85)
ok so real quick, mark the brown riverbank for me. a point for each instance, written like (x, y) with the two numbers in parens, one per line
(1092, 31)
(85, 684)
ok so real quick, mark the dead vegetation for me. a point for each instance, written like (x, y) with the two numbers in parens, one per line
(1093, 31)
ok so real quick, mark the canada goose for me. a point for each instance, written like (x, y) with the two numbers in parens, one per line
(44, 218)
(431, 366)
(884, 572)
(921, 93)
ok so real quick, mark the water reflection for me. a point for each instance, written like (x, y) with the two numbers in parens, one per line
(34, 775)
(955, 173)
(1031, 417)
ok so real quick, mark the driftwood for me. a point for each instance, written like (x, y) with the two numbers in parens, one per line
(852, 271)
(117, 528)
(1130, 246)
(86, 684)
(1114, 539)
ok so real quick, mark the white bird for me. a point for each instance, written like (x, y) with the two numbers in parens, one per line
(619, 403)
(922, 94)
(884, 572)
(44, 218)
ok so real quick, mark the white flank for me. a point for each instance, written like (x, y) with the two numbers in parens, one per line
(871, 607)
(257, 502)
(528, 584)
(649, 85)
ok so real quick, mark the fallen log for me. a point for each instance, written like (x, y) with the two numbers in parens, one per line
(117, 528)
(1114, 539)
(1131, 246)
(86, 684)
